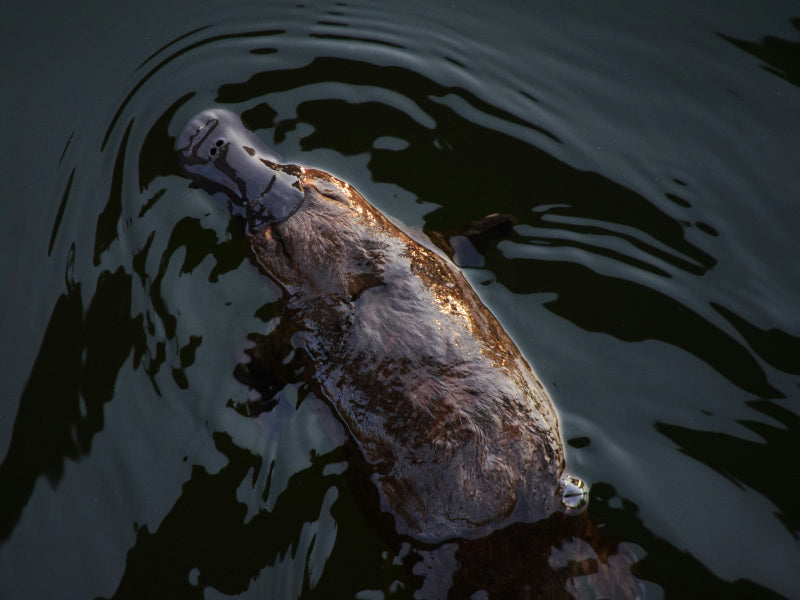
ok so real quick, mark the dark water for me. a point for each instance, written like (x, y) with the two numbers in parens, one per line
(651, 154)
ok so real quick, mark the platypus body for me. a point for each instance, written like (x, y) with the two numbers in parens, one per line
(458, 433)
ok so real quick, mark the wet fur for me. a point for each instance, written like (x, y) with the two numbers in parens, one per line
(458, 433)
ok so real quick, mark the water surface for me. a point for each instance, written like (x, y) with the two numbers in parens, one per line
(649, 154)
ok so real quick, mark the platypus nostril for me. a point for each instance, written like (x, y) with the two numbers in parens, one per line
(216, 147)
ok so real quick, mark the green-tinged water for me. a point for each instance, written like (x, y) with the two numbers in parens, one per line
(649, 153)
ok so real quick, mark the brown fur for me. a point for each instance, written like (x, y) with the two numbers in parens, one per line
(459, 433)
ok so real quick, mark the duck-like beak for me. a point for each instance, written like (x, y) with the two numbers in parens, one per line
(219, 153)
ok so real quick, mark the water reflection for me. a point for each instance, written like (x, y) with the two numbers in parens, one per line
(633, 312)
(155, 160)
(748, 462)
(782, 56)
(680, 574)
(108, 219)
(209, 540)
(61, 408)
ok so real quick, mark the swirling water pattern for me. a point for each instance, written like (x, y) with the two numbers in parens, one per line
(651, 280)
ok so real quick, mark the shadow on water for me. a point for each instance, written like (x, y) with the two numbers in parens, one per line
(677, 571)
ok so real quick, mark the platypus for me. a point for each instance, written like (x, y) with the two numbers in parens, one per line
(459, 435)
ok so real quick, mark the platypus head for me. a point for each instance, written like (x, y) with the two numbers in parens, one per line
(219, 153)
